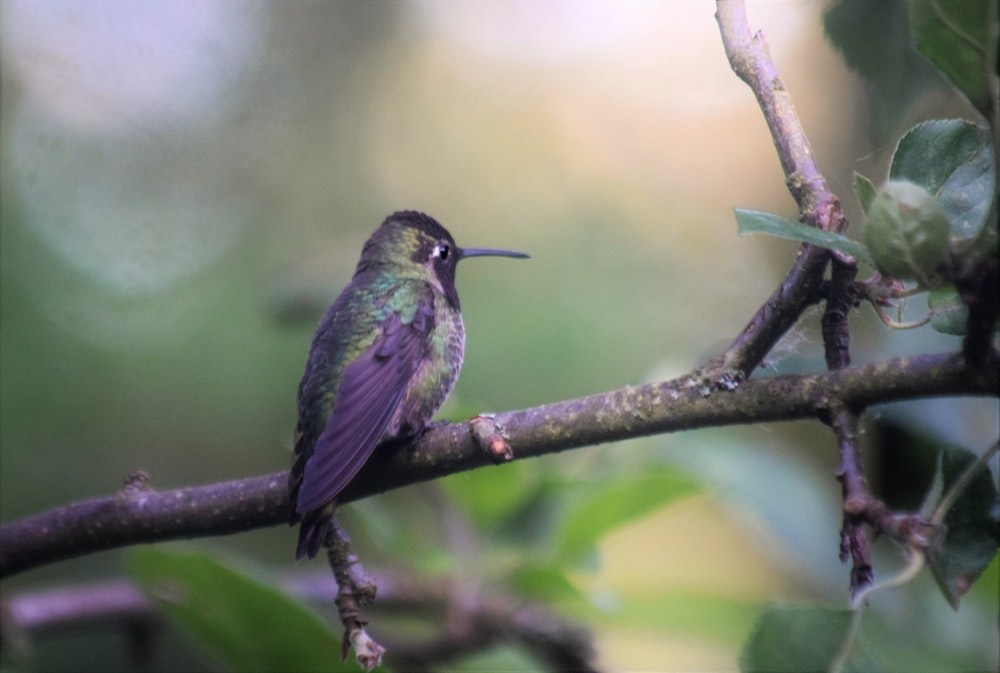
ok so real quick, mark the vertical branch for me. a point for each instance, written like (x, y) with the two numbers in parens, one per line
(355, 589)
(841, 298)
(853, 539)
(751, 60)
(979, 291)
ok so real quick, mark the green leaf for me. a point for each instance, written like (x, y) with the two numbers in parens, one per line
(907, 233)
(865, 191)
(543, 582)
(795, 639)
(952, 159)
(954, 36)
(757, 222)
(603, 506)
(949, 315)
(875, 41)
(971, 531)
(247, 625)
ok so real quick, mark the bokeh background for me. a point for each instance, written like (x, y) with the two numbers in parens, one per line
(186, 185)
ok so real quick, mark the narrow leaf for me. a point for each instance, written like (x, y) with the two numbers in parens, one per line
(971, 531)
(757, 222)
(243, 623)
(865, 191)
(543, 582)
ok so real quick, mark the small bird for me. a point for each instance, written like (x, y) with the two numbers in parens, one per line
(383, 360)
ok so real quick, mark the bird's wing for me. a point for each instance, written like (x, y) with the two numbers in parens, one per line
(370, 391)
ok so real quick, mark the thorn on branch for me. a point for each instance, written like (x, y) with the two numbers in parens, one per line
(135, 482)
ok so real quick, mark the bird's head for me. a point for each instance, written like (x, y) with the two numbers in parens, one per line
(410, 244)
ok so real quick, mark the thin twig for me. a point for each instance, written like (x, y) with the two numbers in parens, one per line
(751, 60)
(856, 498)
(842, 296)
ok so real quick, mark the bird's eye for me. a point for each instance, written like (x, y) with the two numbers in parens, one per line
(442, 251)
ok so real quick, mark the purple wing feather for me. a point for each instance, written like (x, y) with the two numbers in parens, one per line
(370, 391)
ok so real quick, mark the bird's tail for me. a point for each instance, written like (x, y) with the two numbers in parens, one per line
(313, 532)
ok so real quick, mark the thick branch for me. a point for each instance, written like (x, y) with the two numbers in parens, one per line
(139, 515)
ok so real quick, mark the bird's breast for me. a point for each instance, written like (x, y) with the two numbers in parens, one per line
(435, 375)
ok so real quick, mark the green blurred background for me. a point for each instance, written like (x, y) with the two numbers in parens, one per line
(186, 186)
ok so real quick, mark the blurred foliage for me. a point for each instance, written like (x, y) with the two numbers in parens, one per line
(956, 37)
(242, 622)
(795, 639)
(876, 42)
(970, 534)
(177, 208)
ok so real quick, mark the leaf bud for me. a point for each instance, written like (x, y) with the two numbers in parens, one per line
(907, 233)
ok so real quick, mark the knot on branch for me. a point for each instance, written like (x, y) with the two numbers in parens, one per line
(136, 482)
(489, 436)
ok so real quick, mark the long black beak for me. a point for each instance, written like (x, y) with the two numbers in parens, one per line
(487, 252)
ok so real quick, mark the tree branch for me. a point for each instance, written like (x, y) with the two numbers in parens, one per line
(355, 590)
(842, 295)
(140, 515)
(718, 394)
(750, 59)
(853, 539)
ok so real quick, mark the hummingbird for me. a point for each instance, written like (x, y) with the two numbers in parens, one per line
(384, 358)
